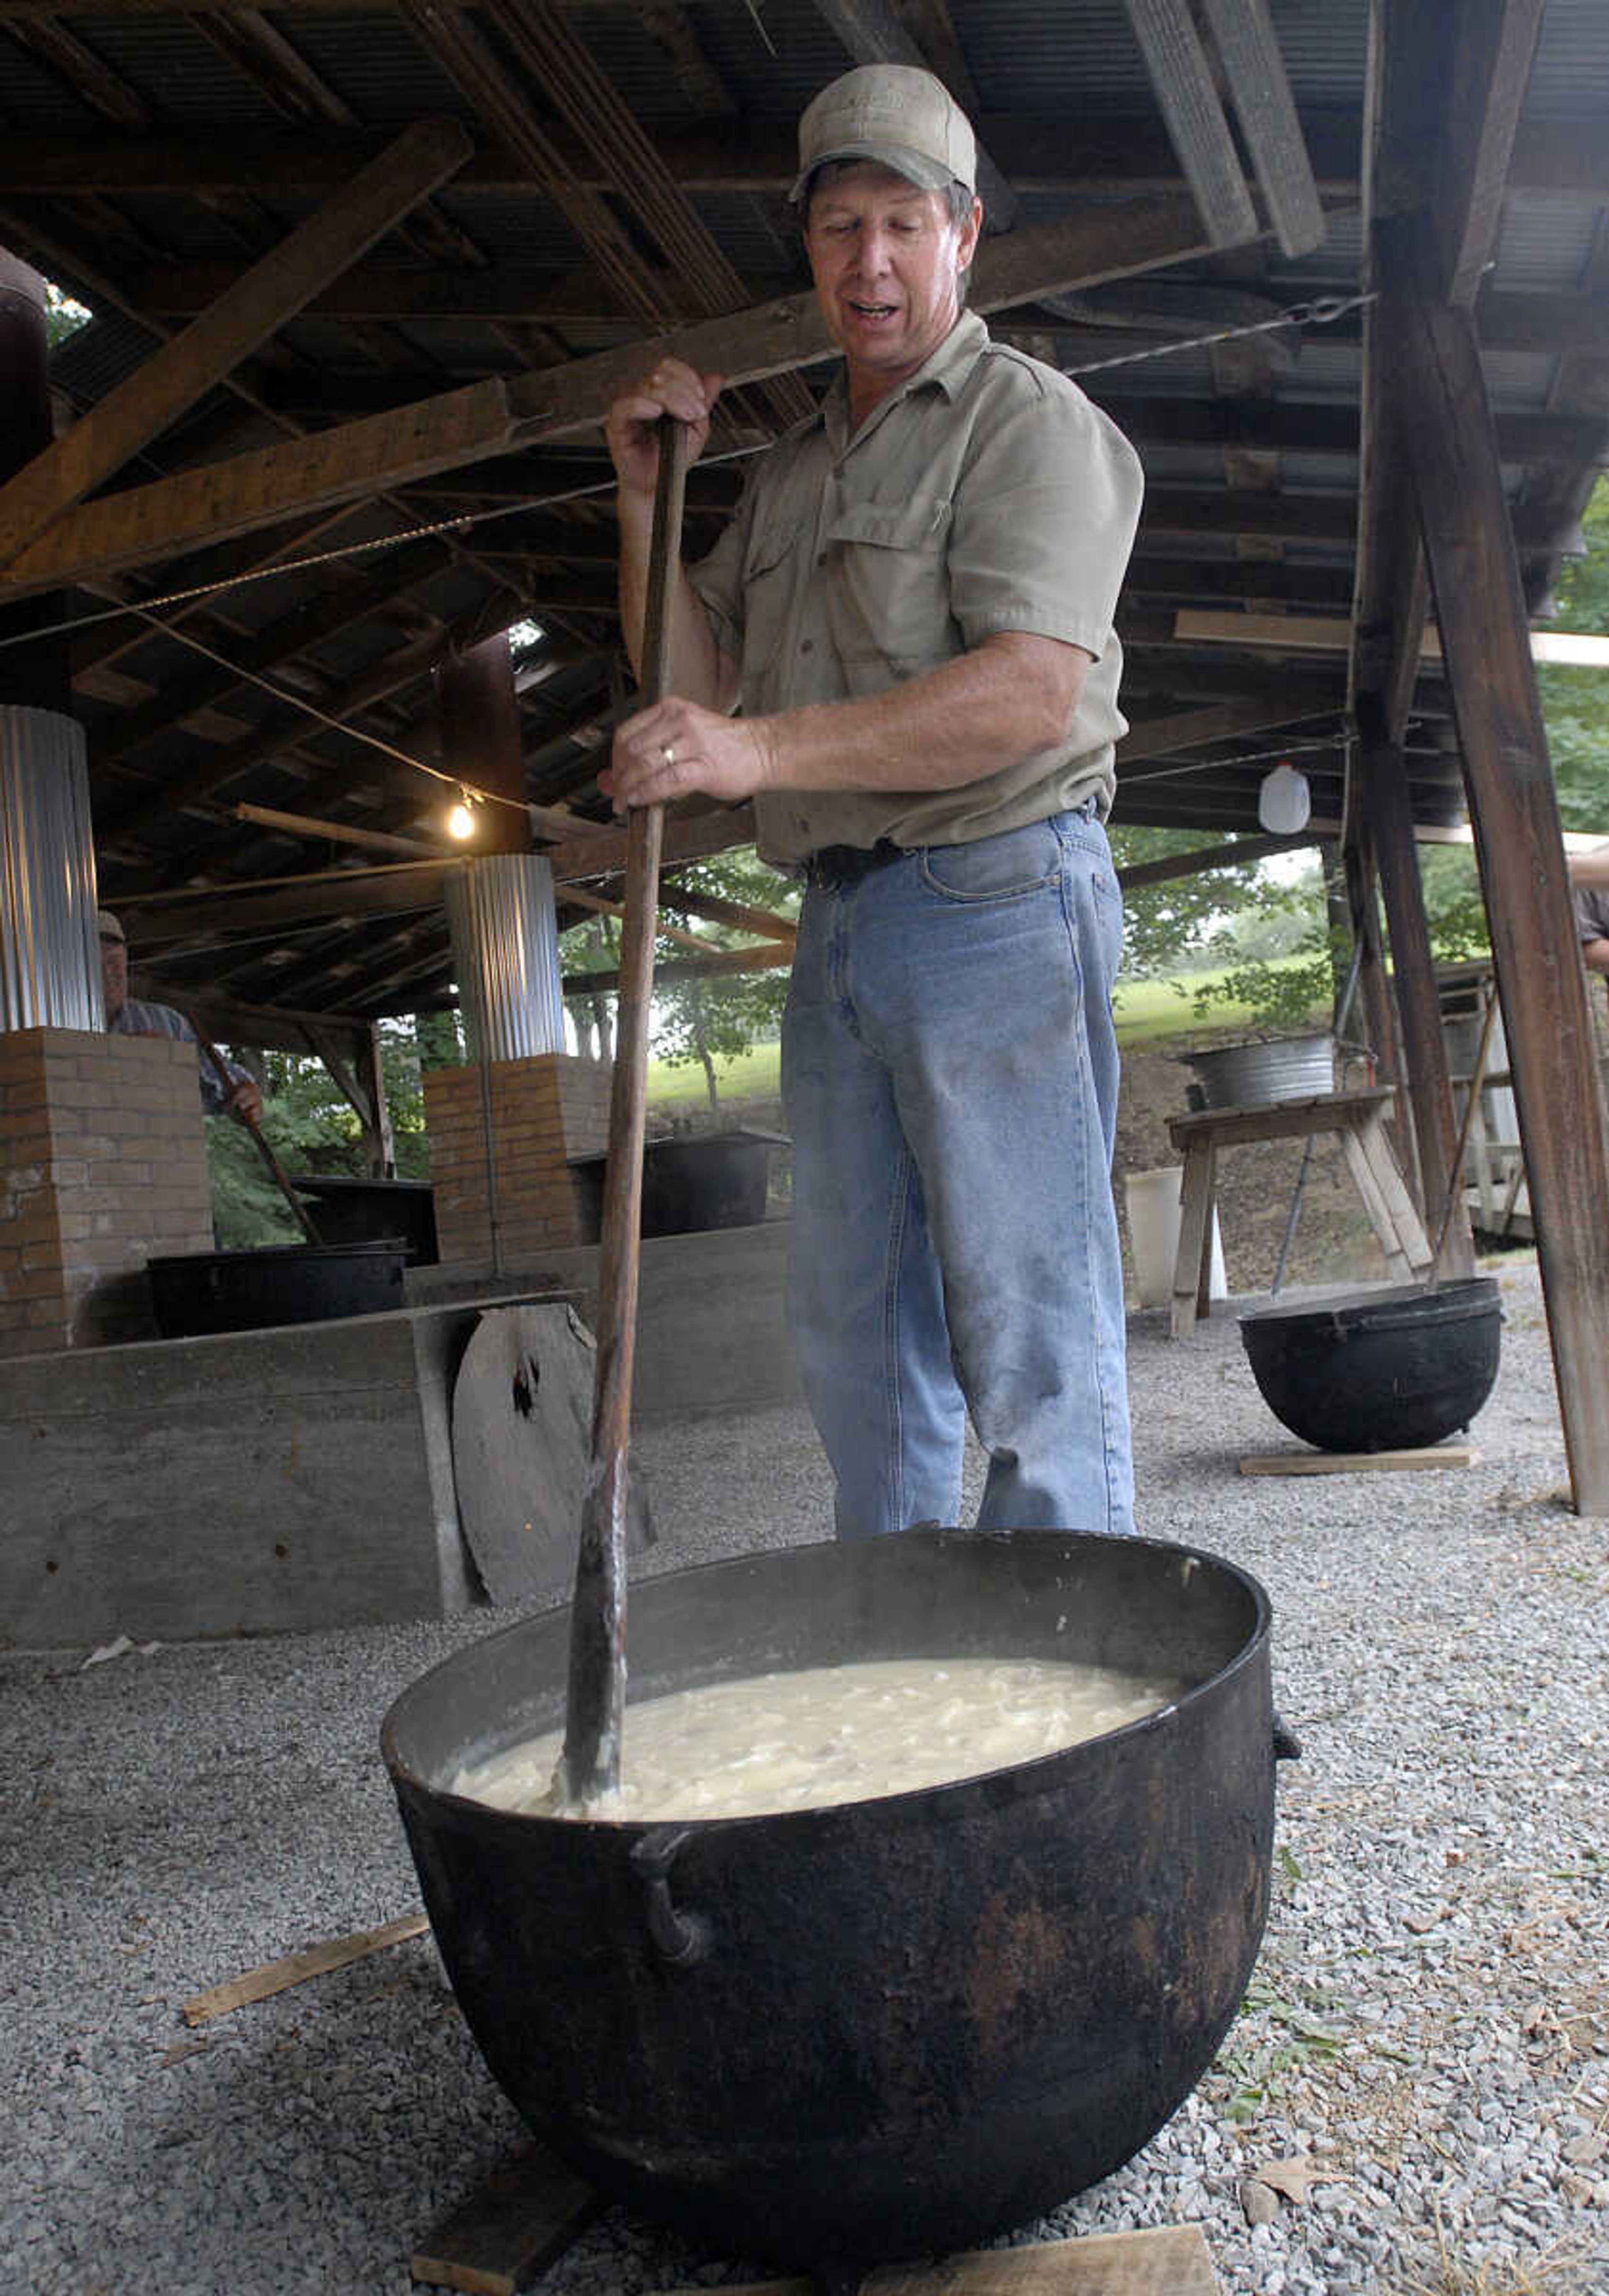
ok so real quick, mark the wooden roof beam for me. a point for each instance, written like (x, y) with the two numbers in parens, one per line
(1243, 31)
(1192, 729)
(184, 369)
(1458, 179)
(146, 524)
(1090, 152)
(1181, 75)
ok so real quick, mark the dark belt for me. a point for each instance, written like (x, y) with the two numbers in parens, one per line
(835, 866)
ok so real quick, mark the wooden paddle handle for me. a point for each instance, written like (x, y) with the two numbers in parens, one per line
(597, 1629)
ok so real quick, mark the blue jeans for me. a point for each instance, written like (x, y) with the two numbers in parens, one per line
(949, 1071)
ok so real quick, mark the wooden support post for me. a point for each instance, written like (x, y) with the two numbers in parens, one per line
(480, 739)
(1485, 636)
(1385, 779)
(1362, 900)
(379, 1140)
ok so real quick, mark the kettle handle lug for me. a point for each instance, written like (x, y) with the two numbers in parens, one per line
(679, 1938)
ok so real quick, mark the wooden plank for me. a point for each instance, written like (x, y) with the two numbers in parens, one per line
(1246, 41)
(764, 957)
(1351, 1463)
(1513, 806)
(1086, 151)
(521, 2221)
(145, 524)
(1384, 791)
(184, 370)
(295, 1968)
(1486, 53)
(1186, 91)
(1192, 1262)
(1331, 634)
(148, 523)
(279, 902)
(739, 914)
(688, 837)
(1378, 1203)
(1166, 2261)
(1285, 1119)
(1233, 854)
(1192, 729)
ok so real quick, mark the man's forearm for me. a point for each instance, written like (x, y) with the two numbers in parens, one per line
(699, 670)
(1009, 697)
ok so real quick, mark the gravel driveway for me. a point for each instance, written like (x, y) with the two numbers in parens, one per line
(1422, 2069)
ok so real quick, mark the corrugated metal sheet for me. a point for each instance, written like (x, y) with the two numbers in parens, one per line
(1323, 44)
(185, 79)
(50, 954)
(1054, 60)
(773, 58)
(30, 90)
(505, 952)
(374, 64)
(94, 359)
(1569, 72)
(1545, 244)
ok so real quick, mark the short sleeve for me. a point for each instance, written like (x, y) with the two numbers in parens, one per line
(717, 579)
(1591, 922)
(1043, 521)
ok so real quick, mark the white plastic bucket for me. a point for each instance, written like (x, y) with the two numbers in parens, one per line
(1152, 1200)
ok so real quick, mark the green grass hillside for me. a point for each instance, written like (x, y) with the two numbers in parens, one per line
(1150, 1015)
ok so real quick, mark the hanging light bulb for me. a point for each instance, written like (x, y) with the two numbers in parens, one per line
(461, 820)
(1285, 802)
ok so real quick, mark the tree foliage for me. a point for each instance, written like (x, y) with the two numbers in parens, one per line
(718, 1016)
(698, 1019)
(312, 1127)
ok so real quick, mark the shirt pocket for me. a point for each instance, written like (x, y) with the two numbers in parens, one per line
(770, 576)
(890, 583)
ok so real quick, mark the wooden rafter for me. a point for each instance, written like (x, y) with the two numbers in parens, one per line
(175, 377)
(1181, 74)
(149, 523)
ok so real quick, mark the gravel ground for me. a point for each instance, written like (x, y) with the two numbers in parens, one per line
(1422, 2068)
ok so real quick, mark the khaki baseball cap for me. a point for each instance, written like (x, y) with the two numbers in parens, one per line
(896, 114)
(108, 927)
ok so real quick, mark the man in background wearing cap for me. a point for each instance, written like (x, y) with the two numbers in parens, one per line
(130, 1016)
(913, 609)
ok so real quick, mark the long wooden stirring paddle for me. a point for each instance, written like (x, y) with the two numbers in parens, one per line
(596, 1698)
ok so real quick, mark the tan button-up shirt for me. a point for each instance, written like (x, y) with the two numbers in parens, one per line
(985, 493)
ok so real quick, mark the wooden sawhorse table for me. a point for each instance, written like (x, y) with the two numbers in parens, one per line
(1358, 1116)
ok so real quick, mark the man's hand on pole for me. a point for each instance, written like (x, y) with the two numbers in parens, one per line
(630, 430)
(675, 749)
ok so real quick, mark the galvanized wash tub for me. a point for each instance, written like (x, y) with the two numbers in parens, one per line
(1278, 1068)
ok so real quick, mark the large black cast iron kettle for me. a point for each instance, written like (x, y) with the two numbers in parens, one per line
(837, 2037)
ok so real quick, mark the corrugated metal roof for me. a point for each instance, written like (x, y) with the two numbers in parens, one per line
(373, 64)
(1570, 71)
(1544, 243)
(183, 76)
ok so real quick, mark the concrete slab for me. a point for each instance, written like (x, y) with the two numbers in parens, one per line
(712, 1330)
(251, 1482)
